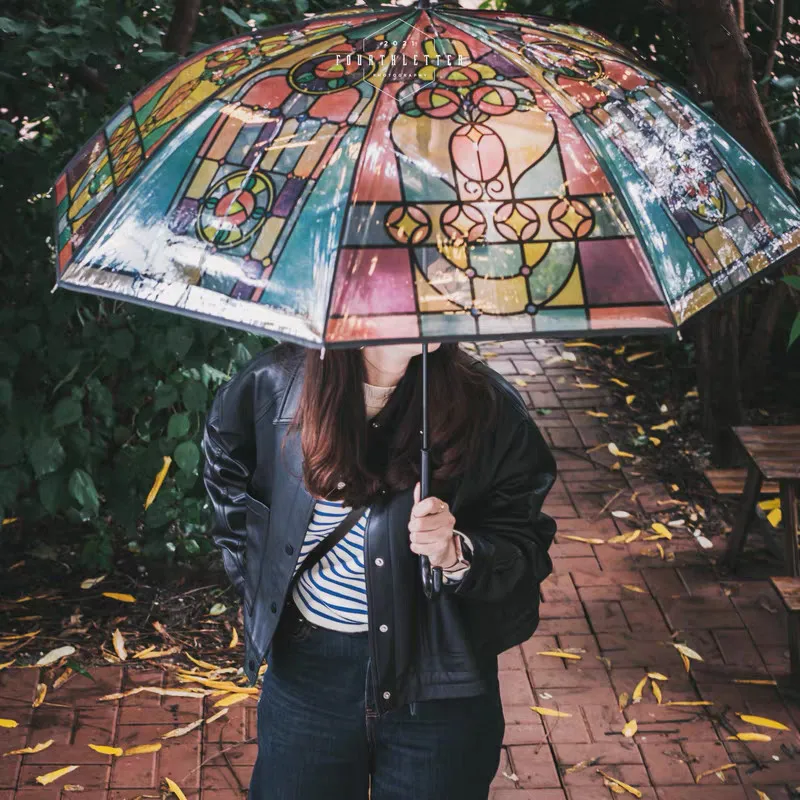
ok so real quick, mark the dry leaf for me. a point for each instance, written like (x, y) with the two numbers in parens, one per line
(692, 393)
(631, 588)
(581, 343)
(689, 703)
(152, 747)
(629, 728)
(8, 723)
(119, 645)
(549, 712)
(203, 664)
(664, 426)
(234, 639)
(686, 663)
(7, 664)
(662, 530)
(581, 765)
(520, 382)
(687, 651)
(655, 440)
(159, 479)
(106, 750)
(55, 655)
(558, 654)
(73, 787)
(712, 771)
(597, 414)
(230, 699)
(761, 795)
(173, 734)
(636, 356)
(657, 676)
(121, 596)
(88, 583)
(24, 751)
(214, 717)
(174, 788)
(620, 383)
(774, 517)
(615, 451)
(756, 681)
(54, 776)
(624, 698)
(41, 693)
(751, 737)
(633, 535)
(625, 786)
(637, 692)
(151, 652)
(583, 539)
(620, 514)
(581, 385)
(764, 722)
(656, 690)
(63, 678)
(630, 398)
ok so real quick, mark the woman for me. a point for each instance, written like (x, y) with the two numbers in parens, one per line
(372, 687)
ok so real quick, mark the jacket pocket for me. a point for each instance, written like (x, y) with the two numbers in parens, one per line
(257, 522)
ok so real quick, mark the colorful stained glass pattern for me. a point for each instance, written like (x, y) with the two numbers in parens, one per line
(407, 174)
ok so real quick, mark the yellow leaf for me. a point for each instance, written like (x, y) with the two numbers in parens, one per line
(774, 517)
(689, 702)
(756, 681)
(558, 654)
(234, 639)
(174, 788)
(55, 655)
(121, 596)
(615, 451)
(598, 414)
(655, 440)
(41, 693)
(657, 676)
(581, 385)
(203, 664)
(712, 771)
(620, 350)
(625, 786)
(768, 505)
(7, 664)
(637, 356)
(751, 737)
(656, 690)
(184, 730)
(662, 530)
(106, 750)
(620, 383)
(660, 550)
(631, 588)
(632, 536)
(583, 539)
(73, 787)
(687, 651)
(10, 520)
(520, 382)
(119, 645)
(582, 344)
(637, 692)
(629, 398)
(664, 426)
(159, 479)
(692, 393)
(761, 795)
(63, 678)
(629, 728)
(640, 430)
(8, 723)
(153, 747)
(54, 776)
(616, 465)
(489, 355)
(623, 700)
(226, 686)
(764, 722)
(214, 717)
(549, 712)
(151, 652)
(24, 751)
(88, 583)
(685, 660)
(230, 699)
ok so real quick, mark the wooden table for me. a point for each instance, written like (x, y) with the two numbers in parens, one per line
(774, 455)
(789, 591)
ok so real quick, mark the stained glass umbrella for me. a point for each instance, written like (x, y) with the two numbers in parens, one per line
(404, 174)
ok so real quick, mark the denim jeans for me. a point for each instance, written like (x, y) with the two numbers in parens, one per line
(321, 738)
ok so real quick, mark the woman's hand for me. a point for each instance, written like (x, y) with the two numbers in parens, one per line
(431, 530)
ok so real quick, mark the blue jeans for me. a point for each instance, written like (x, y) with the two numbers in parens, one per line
(320, 737)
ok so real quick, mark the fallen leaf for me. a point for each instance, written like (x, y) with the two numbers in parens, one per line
(751, 737)
(7, 664)
(520, 382)
(692, 393)
(119, 645)
(764, 722)
(558, 654)
(106, 750)
(589, 762)
(151, 652)
(761, 795)
(630, 398)
(774, 517)
(41, 693)
(756, 681)
(623, 700)
(636, 356)
(73, 787)
(712, 771)
(173, 734)
(615, 451)
(63, 678)
(597, 414)
(55, 655)
(234, 639)
(88, 583)
(687, 651)
(24, 751)
(8, 723)
(620, 383)
(632, 536)
(629, 728)
(230, 699)
(581, 343)
(121, 596)
(583, 539)
(655, 440)
(214, 717)
(631, 588)
(620, 514)
(664, 426)
(662, 530)
(159, 479)
(657, 676)
(582, 385)
(549, 712)
(140, 749)
(625, 786)
(217, 609)
(656, 690)
(637, 692)
(174, 788)
(686, 664)
(689, 703)
(203, 664)
(55, 775)
(620, 350)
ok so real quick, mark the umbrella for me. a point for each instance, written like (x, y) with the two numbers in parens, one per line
(410, 174)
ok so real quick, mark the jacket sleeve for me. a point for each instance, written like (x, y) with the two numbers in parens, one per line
(510, 535)
(229, 450)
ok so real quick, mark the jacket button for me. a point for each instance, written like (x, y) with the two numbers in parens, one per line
(273, 607)
(382, 491)
(379, 562)
(289, 549)
(384, 628)
(387, 695)
(376, 424)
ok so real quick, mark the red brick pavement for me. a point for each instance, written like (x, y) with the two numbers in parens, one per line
(736, 625)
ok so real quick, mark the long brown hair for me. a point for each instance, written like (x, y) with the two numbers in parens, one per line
(340, 446)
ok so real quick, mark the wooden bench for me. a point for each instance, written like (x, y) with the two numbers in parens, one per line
(774, 455)
(788, 590)
(731, 482)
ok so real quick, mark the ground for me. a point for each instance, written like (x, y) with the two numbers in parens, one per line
(617, 607)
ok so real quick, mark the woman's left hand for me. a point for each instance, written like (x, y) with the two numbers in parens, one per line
(431, 530)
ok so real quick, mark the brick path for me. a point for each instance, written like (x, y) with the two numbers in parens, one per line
(735, 625)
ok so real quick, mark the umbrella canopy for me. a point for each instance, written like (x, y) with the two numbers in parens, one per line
(392, 174)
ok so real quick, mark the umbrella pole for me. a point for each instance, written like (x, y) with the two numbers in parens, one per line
(431, 579)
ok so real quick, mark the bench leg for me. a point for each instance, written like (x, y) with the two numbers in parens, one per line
(744, 519)
(789, 518)
(794, 647)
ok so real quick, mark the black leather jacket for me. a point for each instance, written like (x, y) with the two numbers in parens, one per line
(437, 648)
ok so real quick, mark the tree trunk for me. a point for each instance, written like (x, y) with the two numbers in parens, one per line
(181, 27)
